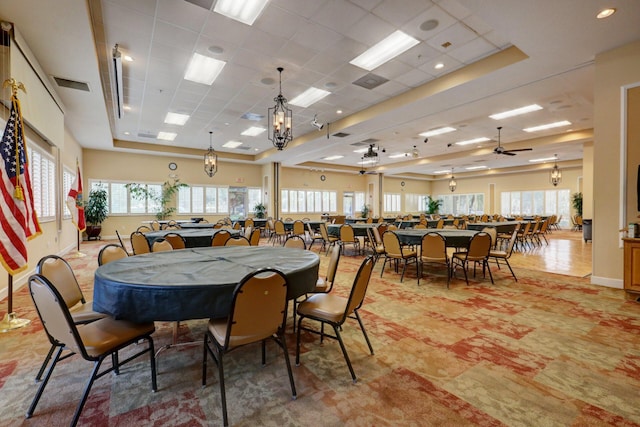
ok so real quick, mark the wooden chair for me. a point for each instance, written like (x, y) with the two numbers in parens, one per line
(220, 238)
(237, 241)
(394, 252)
(161, 245)
(257, 314)
(331, 309)
(376, 243)
(295, 241)
(111, 252)
(506, 254)
(314, 235)
(143, 229)
(94, 342)
(155, 225)
(326, 239)
(298, 229)
(279, 232)
(254, 239)
(139, 243)
(348, 237)
(478, 252)
(176, 240)
(60, 274)
(433, 249)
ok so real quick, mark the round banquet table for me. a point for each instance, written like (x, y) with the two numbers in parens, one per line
(453, 238)
(193, 238)
(193, 283)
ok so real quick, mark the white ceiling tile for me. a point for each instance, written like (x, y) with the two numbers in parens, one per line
(189, 16)
(263, 43)
(304, 8)
(455, 8)
(338, 15)
(174, 37)
(398, 15)
(472, 51)
(414, 78)
(477, 24)
(296, 54)
(370, 30)
(222, 29)
(444, 21)
(279, 22)
(496, 39)
(316, 37)
(457, 35)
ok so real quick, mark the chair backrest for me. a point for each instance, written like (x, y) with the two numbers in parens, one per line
(525, 230)
(54, 314)
(360, 285)
(332, 267)
(155, 225)
(143, 229)
(440, 223)
(111, 252)
(433, 246)
(391, 227)
(237, 241)
(57, 271)
(376, 235)
(248, 222)
(346, 233)
(139, 243)
(220, 238)
(298, 227)
(512, 242)
(391, 243)
(420, 226)
(176, 240)
(382, 227)
(491, 231)
(479, 246)
(278, 227)
(294, 241)
(218, 225)
(247, 231)
(258, 307)
(380, 220)
(324, 232)
(369, 220)
(254, 239)
(161, 245)
(236, 226)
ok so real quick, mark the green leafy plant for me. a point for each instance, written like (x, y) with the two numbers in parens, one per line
(576, 202)
(260, 210)
(365, 211)
(169, 189)
(96, 208)
(433, 205)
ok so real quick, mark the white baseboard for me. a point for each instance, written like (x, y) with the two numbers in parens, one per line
(607, 282)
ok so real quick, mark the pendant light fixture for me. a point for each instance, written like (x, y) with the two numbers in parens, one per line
(210, 158)
(555, 177)
(452, 182)
(280, 120)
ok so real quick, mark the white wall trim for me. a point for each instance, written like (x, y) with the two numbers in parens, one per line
(607, 282)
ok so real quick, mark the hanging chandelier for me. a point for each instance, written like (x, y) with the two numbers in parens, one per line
(555, 177)
(452, 182)
(371, 155)
(280, 120)
(210, 158)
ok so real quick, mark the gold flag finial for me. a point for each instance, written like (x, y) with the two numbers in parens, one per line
(15, 85)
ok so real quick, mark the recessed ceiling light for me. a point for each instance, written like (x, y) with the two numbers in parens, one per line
(336, 157)
(396, 156)
(605, 13)
(442, 171)
(203, 69)
(176, 119)
(473, 141)
(438, 131)
(385, 50)
(245, 11)
(309, 97)
(253, 131)
(126, 133)
(338, 111)
(547, 126)
(167, 136)
(438, 66)
(216, 50)
(545, 159)
(472, 168)
(232, 144)
(516, 112)
(429, 25)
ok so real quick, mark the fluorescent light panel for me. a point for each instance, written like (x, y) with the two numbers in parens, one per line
(167, 136)
(473, 141)
(336, 157)
(396, 156)
(438, 131)
(309, 97)
(473, 168)
(516, 112)
(546, 159)
(253, 131)
(232, 144)
(203, 69)
(245, 11)
(442, 171)
(368, 161)
(364, 150)
(176, 119)
(385, 50)
(547, 126)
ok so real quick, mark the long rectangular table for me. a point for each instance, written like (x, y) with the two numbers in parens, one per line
(453, 238)
(501, 227)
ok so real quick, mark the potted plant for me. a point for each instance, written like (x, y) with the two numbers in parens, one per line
(433, 206)
(576, 201)
(365, 211)
(260, 210)
(96, 211)
(142, 192)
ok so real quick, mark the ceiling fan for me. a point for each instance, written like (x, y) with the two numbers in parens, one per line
(501, 150)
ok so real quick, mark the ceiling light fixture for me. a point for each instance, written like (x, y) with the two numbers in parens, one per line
(280, 120)
(335, 157)
(605, 13)
(232, 144)
(167, 136)
(547, 126)
(253, 131)
(438, 131)
(203, 69)
(245, 11)
(452, 182)
(555, 176)
(210, 158)
(438, 66)
(118, 90)
(385, 50)
(473, 141)
(542, 159)
(371, 155)
(473, 168)
(176, 119)
(415, 153)
(309, 97)
(516, 112)
(441, 171)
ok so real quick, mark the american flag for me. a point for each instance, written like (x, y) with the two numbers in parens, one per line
(75, 202)
(18, 219)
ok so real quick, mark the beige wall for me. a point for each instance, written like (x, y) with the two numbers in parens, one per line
(614, 70)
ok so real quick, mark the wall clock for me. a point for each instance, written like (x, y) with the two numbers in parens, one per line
(173, 166)
(322, 177)
(402, 183)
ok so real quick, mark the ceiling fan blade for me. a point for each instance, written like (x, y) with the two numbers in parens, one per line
(518, 149)
(507, 153)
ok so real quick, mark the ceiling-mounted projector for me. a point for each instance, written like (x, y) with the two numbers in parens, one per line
(316, 124)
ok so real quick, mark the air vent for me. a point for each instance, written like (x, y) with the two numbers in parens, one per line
(147, 135)
(71, 84)
(340, 134)
(369, 141)
(244, 147)
(205, 4)
(370, 81)
(254, 117)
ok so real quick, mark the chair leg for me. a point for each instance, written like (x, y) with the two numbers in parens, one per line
(485, 263)
(510, 269)
(87, 389)
(43, 384)
(45, 363)
(223, 395)
(344, 352)
(298, 341)
(283, 344)
(364, 332)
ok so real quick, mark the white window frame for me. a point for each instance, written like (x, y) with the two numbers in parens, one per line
(186, 200)
(308, 201)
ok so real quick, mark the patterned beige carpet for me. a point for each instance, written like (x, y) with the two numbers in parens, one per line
(549, 350)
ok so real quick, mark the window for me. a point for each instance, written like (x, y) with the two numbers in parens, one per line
(254, 195)
(542, 202)
(67, 180)
(462, 204)
(392, 202)
(121, 202)
(415, 202)
(309, 201)
(43, 172)
(358, 200)
(203, 200)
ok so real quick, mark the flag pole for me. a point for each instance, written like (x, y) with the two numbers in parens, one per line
(76, 206)
(10, 321)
